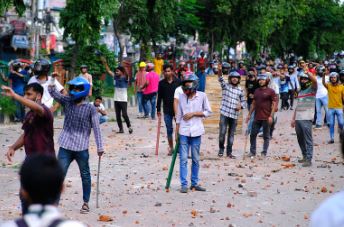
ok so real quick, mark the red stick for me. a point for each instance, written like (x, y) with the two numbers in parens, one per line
(158, 137)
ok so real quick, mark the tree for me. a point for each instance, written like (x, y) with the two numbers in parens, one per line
(17, 4)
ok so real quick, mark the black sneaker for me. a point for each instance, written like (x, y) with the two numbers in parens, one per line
(184, 190)
(307, 163)
(263, 154)
(331, 142)
(130, 130)
(251, 155)
(197, 188)
(231, 156)
(220, 154)
(301, 160)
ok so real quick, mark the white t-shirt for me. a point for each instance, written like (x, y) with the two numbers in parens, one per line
(321, 90)
(121, 94)
(178, 92)
(330, 212)
(47, 100)
(101, 107)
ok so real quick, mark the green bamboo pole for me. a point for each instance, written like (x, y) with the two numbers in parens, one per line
(170, 173)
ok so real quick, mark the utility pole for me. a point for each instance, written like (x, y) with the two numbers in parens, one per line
(33, 28)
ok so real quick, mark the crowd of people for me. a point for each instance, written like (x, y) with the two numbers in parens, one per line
(179, 95)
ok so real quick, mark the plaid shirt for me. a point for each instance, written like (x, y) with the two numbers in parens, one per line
(79, 119)
(231, 96)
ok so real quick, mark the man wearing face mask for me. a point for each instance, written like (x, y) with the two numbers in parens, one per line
(80, 118)
(193, 106)
(335, 104)
(41, 70)
(294, 84)
(38, 136)
(321, 97)
(251, 86)
(303, 116)
(264, 106)
(232, 102)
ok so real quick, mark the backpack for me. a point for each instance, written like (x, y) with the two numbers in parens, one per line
(22, 223)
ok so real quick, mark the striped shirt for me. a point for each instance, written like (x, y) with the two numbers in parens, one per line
(231, 97)
(79, 119)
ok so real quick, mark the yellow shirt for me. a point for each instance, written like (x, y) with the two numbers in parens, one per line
(158, 63)
(335, 96)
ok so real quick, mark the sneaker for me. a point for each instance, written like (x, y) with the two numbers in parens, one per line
(318, 127)
(220, 154)
(85, 209)
(120, 131)
(197, 188)
(331, 141)
(231, 156)
(260, 134)
(184, 190)
(130, 130)
(263, 154)
(251, 155)
(301, 160)
(307, 163)
(291, 108)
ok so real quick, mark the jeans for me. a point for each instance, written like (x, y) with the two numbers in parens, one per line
(121, 108)
(194, 143)
(168, 118)
(139, 96)
(149, 103)
(103, 119)
(321, 102)
(284, 98)
(303, 131)
(65, 157)
(20, 111)
(231, 124)
(257, 124)
(291, 97)
(332, 113)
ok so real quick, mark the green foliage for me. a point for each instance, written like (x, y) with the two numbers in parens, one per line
(7, 106)
(87, 56)
(17, 4)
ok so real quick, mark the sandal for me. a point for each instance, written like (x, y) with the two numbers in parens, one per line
(85, 209)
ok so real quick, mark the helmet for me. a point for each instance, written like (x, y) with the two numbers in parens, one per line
(16, 65)
(234, 74)
(83, 67)
(41, 67)
(190, 77)
(262, 77)
(150, 66)
(302, 74)
(332, 67)
(280, 66)
(320, 70)
(225, 68)
(82, 84)
(142, 64)
(341, 73)
(334, 74)
(261, 67)
(341, 53)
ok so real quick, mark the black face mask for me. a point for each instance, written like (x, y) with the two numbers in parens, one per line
(305, 85)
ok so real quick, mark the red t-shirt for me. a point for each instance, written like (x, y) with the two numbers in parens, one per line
(263, 101)
(39, 133)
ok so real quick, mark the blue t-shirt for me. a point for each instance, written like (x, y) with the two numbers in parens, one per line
(201, 81)
(18, 83)
(284, 85)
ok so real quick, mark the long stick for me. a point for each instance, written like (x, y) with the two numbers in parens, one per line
(174, 156)
(158, 137)
(97, 197)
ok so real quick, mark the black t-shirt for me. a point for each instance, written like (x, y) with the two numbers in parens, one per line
(251, 86)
